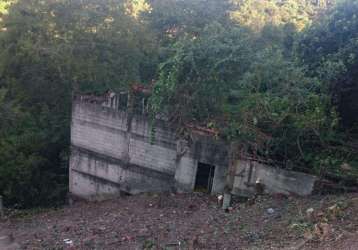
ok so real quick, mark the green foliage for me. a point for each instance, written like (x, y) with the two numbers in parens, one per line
(329, 48)
(48, 50)
(94, 44)
(173, 18)
(259, 13)
(259, 98)
(136, 8)
(4, 5)
(252, 88)
(28, 168)
(279, 111)
(195, 81)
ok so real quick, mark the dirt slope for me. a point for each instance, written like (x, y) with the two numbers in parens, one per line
(192, 222)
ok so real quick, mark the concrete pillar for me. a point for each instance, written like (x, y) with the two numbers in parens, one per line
(227, 201)
(230, 177)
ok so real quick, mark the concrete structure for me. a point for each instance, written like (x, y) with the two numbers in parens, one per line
(114, 151)
(274, 180)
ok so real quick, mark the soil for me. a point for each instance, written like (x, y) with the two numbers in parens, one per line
(191, 221)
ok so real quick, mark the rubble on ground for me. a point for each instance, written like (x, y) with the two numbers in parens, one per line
(192, 221)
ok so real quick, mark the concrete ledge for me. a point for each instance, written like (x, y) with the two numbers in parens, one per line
(128, 166)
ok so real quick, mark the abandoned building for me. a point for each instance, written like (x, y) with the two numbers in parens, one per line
(113, 150)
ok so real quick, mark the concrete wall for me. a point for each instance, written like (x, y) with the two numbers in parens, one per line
(95, 176)
(275, 180)
(112, 152)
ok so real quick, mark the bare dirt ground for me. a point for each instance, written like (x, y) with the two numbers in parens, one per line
(192, 221)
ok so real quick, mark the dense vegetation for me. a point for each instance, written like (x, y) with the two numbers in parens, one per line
(279, 77)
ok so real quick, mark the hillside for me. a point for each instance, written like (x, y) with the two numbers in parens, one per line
(192, 222)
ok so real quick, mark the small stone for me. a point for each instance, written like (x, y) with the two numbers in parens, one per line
(270, 210)
(309, 213)
(346, 167)
(5, 240)
(68, 242)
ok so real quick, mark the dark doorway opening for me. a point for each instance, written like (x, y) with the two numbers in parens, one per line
(204, 177)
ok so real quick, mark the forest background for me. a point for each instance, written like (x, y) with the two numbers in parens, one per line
(278, 77)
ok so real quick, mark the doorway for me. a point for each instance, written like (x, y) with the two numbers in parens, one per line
(204, 178)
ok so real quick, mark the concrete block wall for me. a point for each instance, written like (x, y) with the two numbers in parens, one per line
(107, 159)
(99, 129)
(158, 153)
(110, 154)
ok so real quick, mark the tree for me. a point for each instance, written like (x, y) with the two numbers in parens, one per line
(194, 81)
(279, 111)
(172, 19)
(255, 96)
(4, 5)
(48, 50)
(257, 13)
(329, 48)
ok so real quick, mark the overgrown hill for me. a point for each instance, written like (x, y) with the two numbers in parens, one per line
(277, 77)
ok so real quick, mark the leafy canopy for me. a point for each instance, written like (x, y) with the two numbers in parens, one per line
(257, 13)
(255, 96)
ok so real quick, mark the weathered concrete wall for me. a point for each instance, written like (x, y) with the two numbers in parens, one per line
(112, 152)
(275, 180)
(96, 176)
(158, 153)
